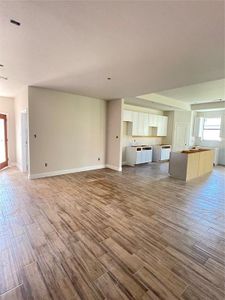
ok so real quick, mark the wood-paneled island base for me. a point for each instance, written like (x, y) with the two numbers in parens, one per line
(190, 164)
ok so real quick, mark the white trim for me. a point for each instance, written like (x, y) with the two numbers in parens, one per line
(24, 141)
(63, 172)
(124, 163)
(114, 168)
(18, 165)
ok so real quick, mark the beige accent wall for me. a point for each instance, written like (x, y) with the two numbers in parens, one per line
(7, 107)
(114, 134)
(70, 132)
(21, 105)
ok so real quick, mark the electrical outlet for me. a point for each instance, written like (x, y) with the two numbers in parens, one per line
(46, 164)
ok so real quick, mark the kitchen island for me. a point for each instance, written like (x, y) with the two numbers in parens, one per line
(190, 164)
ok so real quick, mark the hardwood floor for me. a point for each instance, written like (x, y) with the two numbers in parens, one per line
(108, 235)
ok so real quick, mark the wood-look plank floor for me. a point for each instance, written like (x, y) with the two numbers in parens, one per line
(108, 235)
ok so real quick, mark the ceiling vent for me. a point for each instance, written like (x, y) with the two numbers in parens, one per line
(14, 22)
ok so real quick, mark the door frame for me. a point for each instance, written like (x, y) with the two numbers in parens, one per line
(24, 142)
(5, 163)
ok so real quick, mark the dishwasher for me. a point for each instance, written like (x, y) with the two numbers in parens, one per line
(161, 152)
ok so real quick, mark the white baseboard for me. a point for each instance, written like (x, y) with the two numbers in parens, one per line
(19, 166)
(63, 172)
(114, 168)
(124, 163)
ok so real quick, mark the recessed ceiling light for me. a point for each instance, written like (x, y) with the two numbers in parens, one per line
(2, 77)
(109, 78)
(15, 22)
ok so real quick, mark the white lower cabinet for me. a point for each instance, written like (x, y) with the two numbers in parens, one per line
(147, 155)
(161, 152)
(165, 154)
(138, 155)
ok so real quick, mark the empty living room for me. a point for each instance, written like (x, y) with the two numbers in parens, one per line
(112, 150)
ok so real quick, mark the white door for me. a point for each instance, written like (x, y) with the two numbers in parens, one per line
(181, 136)
(24, 141)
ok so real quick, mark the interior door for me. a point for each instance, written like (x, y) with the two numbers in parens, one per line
(24, 140)
(181, 137)
(3, 142)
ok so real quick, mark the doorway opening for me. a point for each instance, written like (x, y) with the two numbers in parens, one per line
(3, 142)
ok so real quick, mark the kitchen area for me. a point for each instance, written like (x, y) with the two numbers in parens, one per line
(152, 137)
(143, 133)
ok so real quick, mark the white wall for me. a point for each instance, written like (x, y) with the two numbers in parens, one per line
(7, 107)
(70, 132)
(129, 140)
(21, 105)
(114, 134)
(219, 144)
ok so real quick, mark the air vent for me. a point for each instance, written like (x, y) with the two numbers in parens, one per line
(14, 22)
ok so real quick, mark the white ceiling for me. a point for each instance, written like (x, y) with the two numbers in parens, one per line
(148, 104)
(144, 46)
(198, 93)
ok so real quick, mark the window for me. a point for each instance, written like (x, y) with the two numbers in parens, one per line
(211, 129)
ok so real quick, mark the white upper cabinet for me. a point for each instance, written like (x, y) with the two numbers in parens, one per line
(127, 116)
(153, 120)
(141, 122)
(162, 126)
(135, 125)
